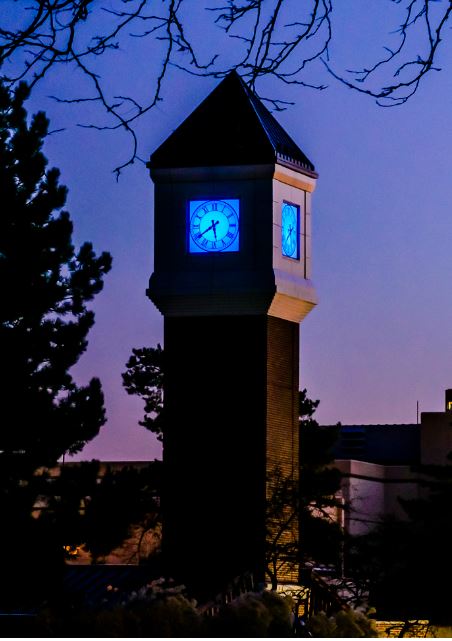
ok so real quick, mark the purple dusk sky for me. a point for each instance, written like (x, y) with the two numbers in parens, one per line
(381, 337)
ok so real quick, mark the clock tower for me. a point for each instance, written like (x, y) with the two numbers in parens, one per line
(232, 272)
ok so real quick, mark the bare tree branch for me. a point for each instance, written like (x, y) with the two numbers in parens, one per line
(283, 39)
(417, 66)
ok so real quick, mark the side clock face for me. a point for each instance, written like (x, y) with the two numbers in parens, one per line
(290, 230)
(213, 226)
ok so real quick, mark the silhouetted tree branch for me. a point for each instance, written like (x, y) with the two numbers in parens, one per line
(302, 512)
(407, 73)
(285, 39)
(144, 378)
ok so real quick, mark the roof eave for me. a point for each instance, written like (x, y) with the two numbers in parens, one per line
(296, 165)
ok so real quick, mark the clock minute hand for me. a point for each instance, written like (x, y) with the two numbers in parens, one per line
(290, 231)
(212, 226)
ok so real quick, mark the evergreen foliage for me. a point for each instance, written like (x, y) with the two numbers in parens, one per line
(144, 378)
(162, 610)
(45, 286)
(321, 534)
(96, 511)
(122, 500)
(345, 624)
(253, 615)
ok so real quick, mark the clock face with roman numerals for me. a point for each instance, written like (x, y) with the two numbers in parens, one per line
(213, 226)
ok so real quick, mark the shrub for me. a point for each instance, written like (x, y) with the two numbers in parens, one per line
(349, 624)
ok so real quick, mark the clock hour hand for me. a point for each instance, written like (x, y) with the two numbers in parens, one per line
(290, 231)
(212, 226)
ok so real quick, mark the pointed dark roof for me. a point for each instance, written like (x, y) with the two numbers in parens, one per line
(230, 127)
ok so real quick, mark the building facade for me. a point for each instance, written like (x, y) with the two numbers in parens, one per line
(381, 463)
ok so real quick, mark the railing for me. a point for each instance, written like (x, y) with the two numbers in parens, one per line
(240, 585)
(313, 595)
(418, 628)
(323, 597)
(310, 597)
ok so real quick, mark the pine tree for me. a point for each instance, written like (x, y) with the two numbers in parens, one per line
(45, 285)
(319, 484)
(144, 378)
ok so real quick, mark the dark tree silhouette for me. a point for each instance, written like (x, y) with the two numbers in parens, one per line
(320, 482)
(144, 378)
(46, 285)
(123, 500)
(309, 505)
(403, 562)
(44, 321)
(286, 39)
(93, 508)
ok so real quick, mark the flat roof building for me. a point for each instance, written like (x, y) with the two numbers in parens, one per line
(381, 463)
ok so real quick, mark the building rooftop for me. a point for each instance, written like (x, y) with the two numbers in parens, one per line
(230, 127)
(397, 444)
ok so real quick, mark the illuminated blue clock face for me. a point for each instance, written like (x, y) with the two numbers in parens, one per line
(290, 230)
(213, 226)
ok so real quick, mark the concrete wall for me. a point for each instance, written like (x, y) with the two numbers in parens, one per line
(372, 491)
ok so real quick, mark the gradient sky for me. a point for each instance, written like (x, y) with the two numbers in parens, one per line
(380, 339)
